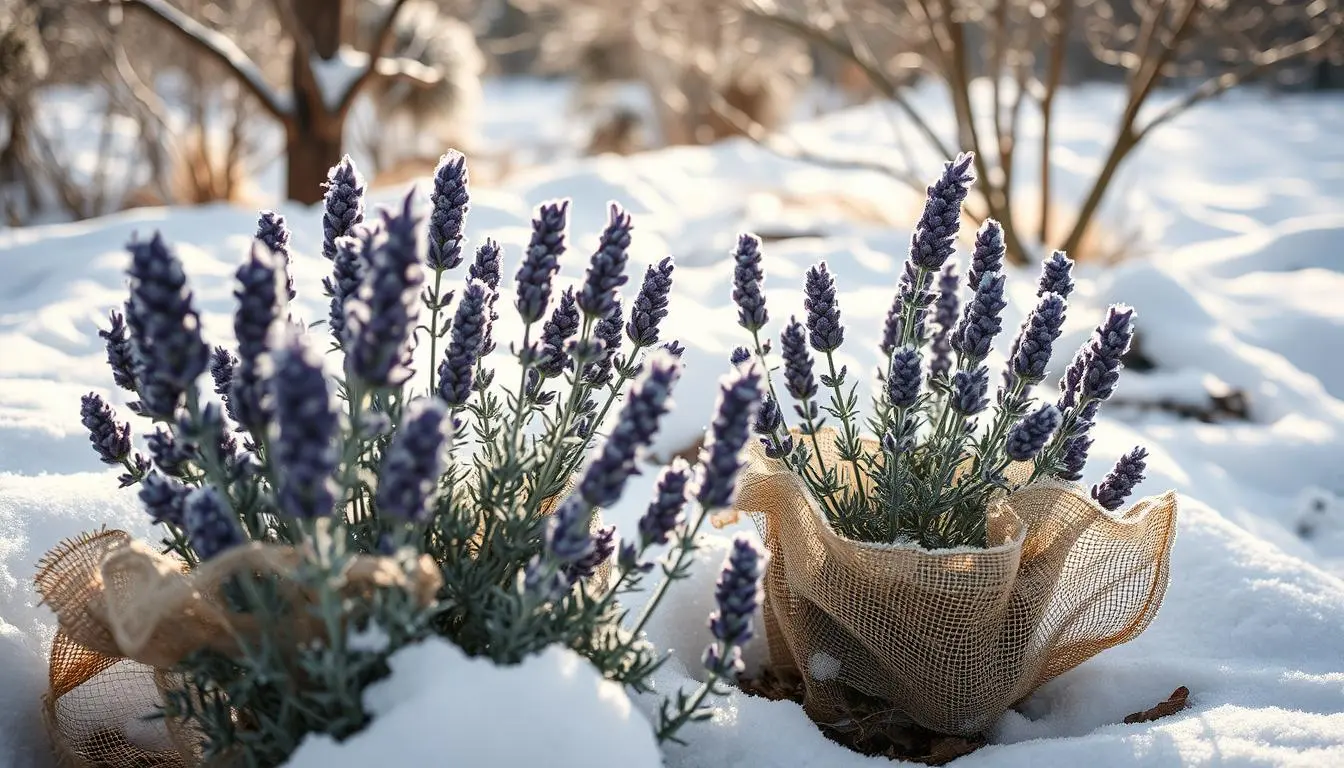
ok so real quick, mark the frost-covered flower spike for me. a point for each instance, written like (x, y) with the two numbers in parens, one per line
(343, 204)
(748, 277)
(1111, 492)
(306, 427)
(650, 304)
(447, 220)
(381, 315)
(541, 262)
(165, 328)
(606, 270)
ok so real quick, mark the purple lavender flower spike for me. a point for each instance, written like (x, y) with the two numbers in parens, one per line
(138, 467)
(169, 453)
(1035, 342)
(1109, 345)
(306, 430)
(739, 397)
(164, 499)
(169, 351)
(1056, 275)
(1028, 436)
(488, 265)
(648, 400)
(111, 441)
(903, 378)
(608, 333)
(988, 255)
(211, 526)
(604, 544)
(488, 268)
(1075, 453)
(932, 242)
(1071, 381)
(891, 328)
(798, 376)
(258, 292)
(823, 312)
(799, 380)
(606, 270)
(748, 277)
(120, 355)
(627, 559)
(448, 218)
(272, 230)
(348, 267)
(650, 304)
(665, 511)
(769, 423)
(555, 335)
(737, 594)
(968, 391)
(542, 260)
(457, 368)
(1119, 484)
(343, 204)
(981, 322)
(567, 538)
(946, 308)
(381, 315)
(222, 365)
(739, 356)
(415, 459)
(1095, 370)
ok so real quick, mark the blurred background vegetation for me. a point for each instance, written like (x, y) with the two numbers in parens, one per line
(190, 101)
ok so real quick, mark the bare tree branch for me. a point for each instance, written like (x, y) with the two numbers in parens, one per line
(407, 70)
(216, 46)
(303, 41)
(1059, 37)
(790, 149)
(1217, 85)
(380, 42)
(876, 74)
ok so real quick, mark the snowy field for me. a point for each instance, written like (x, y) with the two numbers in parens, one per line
(1236, 214)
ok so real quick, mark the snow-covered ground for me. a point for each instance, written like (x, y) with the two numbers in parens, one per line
(1237, 211)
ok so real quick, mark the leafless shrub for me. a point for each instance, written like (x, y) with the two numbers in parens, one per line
(1201, 48)
(689, 54)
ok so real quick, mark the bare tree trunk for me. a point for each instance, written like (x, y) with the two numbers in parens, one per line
(313, 135)
(17, 164)
(311, 155)
(1059, 44)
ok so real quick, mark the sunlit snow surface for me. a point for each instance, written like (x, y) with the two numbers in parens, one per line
(1235, 211)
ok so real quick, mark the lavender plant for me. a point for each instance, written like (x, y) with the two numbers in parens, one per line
(497, 475)
(940, 451)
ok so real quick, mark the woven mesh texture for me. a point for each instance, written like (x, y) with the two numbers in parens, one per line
(128, 613)
(949, 640)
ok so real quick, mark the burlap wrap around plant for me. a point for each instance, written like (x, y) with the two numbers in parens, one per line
(950, 639)
(127, 614)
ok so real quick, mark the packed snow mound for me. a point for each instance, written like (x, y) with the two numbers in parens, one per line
(23, 680)
(441, 707)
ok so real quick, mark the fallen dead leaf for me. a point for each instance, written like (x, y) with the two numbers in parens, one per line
(1174, 703)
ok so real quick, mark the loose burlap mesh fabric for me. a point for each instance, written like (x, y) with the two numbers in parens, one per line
(127, 614)
(949, 640)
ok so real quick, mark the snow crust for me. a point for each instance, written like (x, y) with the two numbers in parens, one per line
(439, 705)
